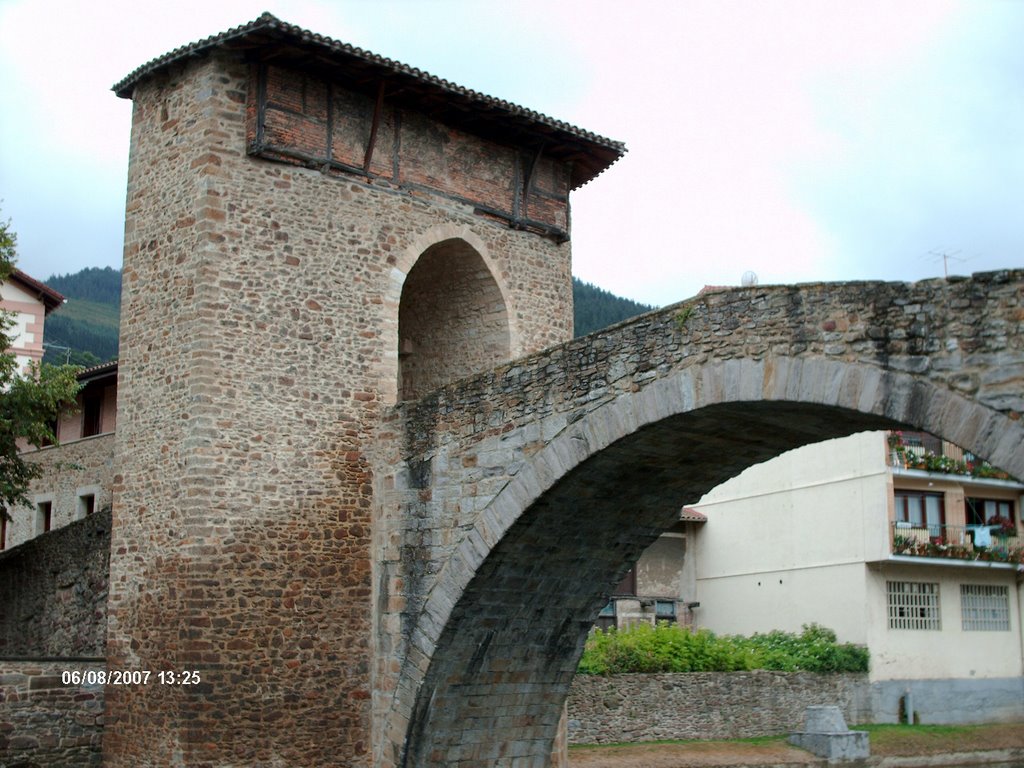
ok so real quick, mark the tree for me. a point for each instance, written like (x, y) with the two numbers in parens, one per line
(29, 404)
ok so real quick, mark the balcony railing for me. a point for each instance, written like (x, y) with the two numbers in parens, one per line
(919, 450)
(984, 543)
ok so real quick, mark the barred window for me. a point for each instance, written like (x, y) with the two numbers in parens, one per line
(913, 605)
(985, 607)
(606, 618)
(665, 610)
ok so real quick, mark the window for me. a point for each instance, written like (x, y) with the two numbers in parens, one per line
(913, 605)
(921, 510)
(86, 505)
(53, 426)
(44, 511)
(985, 607)
(628, 584)
(665, 610)
(92, 408)
(606, 618)
(980, 510)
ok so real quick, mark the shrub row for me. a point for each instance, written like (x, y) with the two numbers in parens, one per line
(671, 648)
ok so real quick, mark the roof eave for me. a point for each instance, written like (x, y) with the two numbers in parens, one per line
(504, 118)
(51, 299)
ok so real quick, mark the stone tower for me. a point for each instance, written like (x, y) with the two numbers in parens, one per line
(313, 235)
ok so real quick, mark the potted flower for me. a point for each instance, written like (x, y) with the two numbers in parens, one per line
(1002, 526)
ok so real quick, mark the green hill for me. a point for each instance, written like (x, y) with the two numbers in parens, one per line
(596, 308)
(84, 331)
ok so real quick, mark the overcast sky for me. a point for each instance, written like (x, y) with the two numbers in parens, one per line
(804, 141)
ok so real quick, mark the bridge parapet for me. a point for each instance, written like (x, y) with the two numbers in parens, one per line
(964, 334)
(468, 460)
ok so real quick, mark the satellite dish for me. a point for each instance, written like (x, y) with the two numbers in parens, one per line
(749, 279)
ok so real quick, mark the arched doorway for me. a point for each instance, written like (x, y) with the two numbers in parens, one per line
(452, 319)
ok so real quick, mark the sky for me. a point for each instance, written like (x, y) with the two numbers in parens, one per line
(802, 140)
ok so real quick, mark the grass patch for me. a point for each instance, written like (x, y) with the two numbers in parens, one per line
(891, 739)
(756, 740)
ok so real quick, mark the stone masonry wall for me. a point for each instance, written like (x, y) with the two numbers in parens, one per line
(259, 345)
(46, 723)
(53, 592)
(71, 469)
(706, 705)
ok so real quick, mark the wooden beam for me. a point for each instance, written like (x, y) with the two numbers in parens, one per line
(529, 180)
(377, 110)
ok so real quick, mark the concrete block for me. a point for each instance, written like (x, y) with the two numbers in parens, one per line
(826, 735)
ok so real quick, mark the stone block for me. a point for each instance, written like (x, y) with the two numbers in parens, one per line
(826, 735)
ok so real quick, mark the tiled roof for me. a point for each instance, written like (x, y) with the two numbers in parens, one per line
(98, 371)
(443, 100)
(50, 298)
(691, 515)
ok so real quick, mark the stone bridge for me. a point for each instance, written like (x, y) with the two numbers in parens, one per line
(359, 553)
(523, 495)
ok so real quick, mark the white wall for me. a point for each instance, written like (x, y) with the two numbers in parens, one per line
(952, 652)
(833, 596)
(808, 519)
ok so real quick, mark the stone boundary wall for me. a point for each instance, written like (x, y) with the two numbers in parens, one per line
(706, 705)
(53, 592)
(45, 723)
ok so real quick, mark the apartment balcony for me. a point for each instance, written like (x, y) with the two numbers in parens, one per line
(927, 453)
(974, 543)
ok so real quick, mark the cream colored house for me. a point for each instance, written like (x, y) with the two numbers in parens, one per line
(26, 302)
(922, 566)
(29, 302)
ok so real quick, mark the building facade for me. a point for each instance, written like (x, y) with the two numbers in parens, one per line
(25, 302)
(78, 473)
(662, 584)
(893, 545)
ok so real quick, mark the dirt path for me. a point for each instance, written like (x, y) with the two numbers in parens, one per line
(693, 755)
(998, 740)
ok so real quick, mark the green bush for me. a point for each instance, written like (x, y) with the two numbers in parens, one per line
(671, 648)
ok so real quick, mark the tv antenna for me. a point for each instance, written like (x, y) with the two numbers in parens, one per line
(946, 256)
(67, 350)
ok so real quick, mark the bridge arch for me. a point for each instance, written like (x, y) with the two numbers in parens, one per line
(504, 626)
(449, 314)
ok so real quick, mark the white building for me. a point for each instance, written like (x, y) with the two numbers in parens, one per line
(921, 566)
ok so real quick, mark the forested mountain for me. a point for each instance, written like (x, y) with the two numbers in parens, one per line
(596, 308)
(91, 284)
(84, 331)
